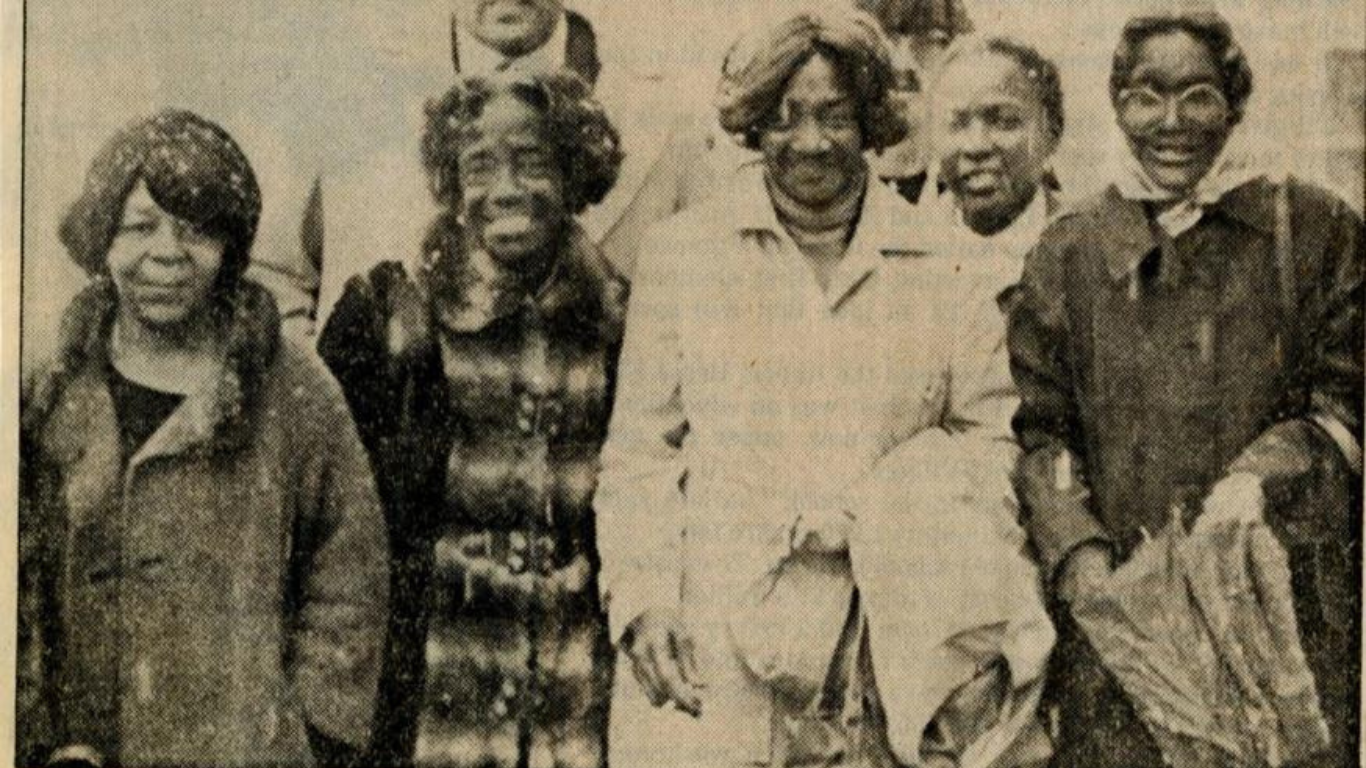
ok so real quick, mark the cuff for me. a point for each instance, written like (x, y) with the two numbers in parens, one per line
(1055, 506)
(629, 597)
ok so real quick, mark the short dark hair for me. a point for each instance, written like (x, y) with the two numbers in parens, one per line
(1206, 26)
(193, 169)
(918, 17)
(1041, 72)
(587, 145)
(757, 71)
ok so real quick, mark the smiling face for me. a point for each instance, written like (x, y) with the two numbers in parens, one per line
(1178, 148)
(993, 138)
(512, 27)
(813, 145)
(513, 189)
(164, 268)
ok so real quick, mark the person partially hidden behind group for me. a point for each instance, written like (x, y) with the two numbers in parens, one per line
(202, 575)
(479, 372)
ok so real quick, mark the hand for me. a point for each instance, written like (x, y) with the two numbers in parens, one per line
(1236, 499)
(664, 660)
(1084, 571)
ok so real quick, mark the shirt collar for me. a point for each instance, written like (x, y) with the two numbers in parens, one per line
(882, 231)
(881, 224)
(474, 57)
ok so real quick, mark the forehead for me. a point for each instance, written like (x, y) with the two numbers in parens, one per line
(505, 119)
(818, 80)
(1175, 56)
(140, 199)
(985, 77)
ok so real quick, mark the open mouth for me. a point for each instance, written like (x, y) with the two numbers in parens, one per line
(980, 182)
(516, 225)
(1173, 154)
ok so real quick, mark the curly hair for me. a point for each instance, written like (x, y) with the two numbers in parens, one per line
(586, 144)
(758, 68)
(193, 169)
(1038, 69)
(1204, 24)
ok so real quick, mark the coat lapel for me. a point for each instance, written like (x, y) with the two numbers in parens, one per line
(1127, 234)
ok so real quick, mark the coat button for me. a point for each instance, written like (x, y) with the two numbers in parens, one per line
(142, 679)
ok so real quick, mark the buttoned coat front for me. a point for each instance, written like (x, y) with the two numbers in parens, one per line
(484, 425)
(1161, 365)
(202, 601)
(747, 396)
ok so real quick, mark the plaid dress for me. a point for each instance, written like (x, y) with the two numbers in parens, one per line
(497, 405)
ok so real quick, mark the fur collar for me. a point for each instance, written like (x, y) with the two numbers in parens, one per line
(583, 296)
(218, 417)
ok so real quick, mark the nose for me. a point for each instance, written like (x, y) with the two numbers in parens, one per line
(1171, 115)
(504, 190)
(808, 139)
(166, 243)
(975, 139)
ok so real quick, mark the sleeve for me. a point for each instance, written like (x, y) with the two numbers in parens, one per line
(36, 729)
(1055, 504)
(1308, 463)
(354, 347)
(639, 500)
(340, 573)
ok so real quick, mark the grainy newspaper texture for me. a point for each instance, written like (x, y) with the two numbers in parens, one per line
(682, 383)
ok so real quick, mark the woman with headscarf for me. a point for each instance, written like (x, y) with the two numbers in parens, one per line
(1191, 339)
(775, 360)
(202, 577)
(480, 376)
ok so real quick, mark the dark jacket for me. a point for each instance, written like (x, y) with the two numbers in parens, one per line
(483, 420)
(202, 601)
(1165, 364)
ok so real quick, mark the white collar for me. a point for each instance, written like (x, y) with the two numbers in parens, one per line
(881, 232)
(478, 58)
(1234, 167)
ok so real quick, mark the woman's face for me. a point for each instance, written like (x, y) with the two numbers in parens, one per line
(512, 186)
(513, 27)
(164, 268)
(1173, 111)
(993, 138)
(813, 145)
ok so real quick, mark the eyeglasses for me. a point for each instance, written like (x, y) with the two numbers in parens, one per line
(1201, 105)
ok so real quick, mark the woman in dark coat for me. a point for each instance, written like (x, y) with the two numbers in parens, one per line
(1192, 338)
(480, 379)
(202, 576)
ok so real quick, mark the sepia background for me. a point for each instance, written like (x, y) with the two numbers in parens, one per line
(313, 88)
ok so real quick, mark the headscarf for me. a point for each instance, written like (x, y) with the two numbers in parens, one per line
(759, 65)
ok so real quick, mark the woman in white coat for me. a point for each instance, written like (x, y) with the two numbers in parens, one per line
(782, 339)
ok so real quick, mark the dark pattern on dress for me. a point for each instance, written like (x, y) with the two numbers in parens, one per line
(485, 411)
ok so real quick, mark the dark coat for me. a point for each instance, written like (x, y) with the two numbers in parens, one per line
(1165, 364)
(484, 425)
(200, 602)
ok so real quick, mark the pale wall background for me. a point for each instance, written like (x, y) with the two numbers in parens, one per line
(308, 87)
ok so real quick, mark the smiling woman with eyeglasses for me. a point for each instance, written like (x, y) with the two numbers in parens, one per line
(1191, 339)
